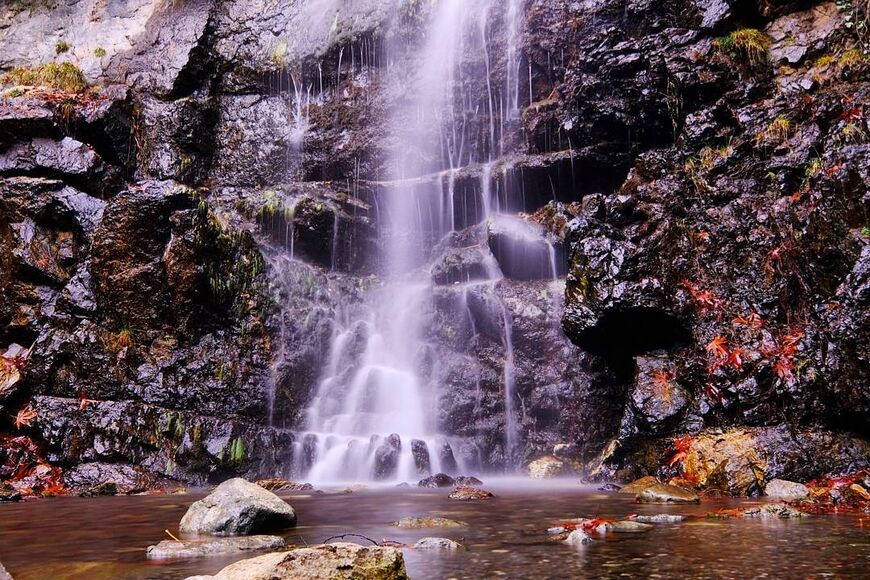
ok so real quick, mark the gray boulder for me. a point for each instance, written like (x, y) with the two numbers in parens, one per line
(334, 561)
(238, 508)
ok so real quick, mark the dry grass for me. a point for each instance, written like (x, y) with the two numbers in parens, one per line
(64, 76)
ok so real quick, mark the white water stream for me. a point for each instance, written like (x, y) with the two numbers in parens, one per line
(373, 416)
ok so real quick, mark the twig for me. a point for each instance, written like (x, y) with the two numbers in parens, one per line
(354, 535)
(171, 536)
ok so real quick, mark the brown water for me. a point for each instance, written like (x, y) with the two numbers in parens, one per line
(105, 538)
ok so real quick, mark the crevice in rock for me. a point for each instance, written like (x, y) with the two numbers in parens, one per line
(621, 335)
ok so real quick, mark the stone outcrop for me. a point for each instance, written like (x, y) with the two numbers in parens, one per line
(706, 208)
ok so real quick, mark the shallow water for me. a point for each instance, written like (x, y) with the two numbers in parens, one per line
(104, 538)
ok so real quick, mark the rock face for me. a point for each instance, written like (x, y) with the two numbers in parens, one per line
(335, 561)
(546, 468)
(168, 549)
(237, 508)
(704, 211)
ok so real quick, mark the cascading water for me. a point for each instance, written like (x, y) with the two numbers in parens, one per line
(372, 415)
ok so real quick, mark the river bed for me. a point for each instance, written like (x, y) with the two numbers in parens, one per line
(105, 538)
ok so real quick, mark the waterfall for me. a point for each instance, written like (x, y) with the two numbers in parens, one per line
(373, 415)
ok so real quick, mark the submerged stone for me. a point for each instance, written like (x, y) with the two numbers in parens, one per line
(660, 519)
(464, 493)
(168, 549)
(414, 523)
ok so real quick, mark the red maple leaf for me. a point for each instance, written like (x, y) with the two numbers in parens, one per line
(718, 347)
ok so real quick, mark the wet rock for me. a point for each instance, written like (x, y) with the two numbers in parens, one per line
(126, 479)
(737, 459)
(855, 494)
(278, 484)
(657, 401)
(547, 468)
(168, 549)
(664, 493)
(387, 457)
(238, 507)
(437, 480)
(638, 485)
(627, 527)
(781, 488)
(464, 493)
(609, 487)
(421, 456)
(438, 544)
(414, 523)
(9, 495)
(339, 561)
(446, 458)
(659, 519)
(467, 480)
(107, 488)
(797, 34)
(578, 538)
(782, 511)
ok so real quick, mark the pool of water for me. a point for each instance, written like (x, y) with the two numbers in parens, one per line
(105, 538)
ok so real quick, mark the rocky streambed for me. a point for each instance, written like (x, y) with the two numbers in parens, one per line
(510, 535)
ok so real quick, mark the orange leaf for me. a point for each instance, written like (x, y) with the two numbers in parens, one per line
(718, 347)
(25, 417)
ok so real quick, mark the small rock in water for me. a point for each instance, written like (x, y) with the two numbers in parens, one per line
(105, 488)
(609, 487)
(464, 493)
(278, 484)
(638, 485)
(773, 510)
(238, 508)
(437, 480)
(659, 519)
(339, 560)
(437, 544)
(664, 493)
(195, 548)
(578, 538)
(546, 468)
(417, 523)
(467, 480)
(403, 484)
(10, 495)
(627, 527)
(784, 489)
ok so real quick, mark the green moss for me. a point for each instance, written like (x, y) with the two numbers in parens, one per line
(13, 93)
(63, 76)
(99, 52)
(279, 53)
(777, 131)
(61, 47)
(236, 456)
(749, 44)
